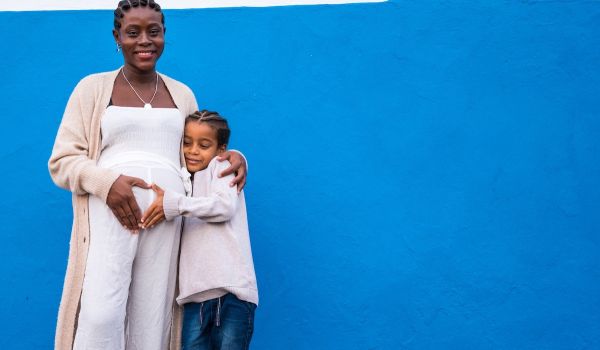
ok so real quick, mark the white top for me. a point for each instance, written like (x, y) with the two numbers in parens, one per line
(216, 256)
(138, 136)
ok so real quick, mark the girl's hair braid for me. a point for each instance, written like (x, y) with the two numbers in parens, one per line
(214, 120)
(126, 5)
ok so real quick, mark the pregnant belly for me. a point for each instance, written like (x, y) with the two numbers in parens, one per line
(164, 177)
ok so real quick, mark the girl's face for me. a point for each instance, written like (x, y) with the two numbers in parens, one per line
(200, 145)
(142, 38)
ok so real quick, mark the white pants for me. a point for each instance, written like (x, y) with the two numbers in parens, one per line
(129, 283)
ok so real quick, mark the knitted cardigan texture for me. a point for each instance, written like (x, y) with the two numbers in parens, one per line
(73, 167)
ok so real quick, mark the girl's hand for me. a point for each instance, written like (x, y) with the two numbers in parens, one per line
(155, 213)
(238, 166)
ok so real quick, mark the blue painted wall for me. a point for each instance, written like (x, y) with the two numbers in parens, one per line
(423, 175)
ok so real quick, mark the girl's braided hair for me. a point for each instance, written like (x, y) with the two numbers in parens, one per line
(126, 5)
(215, 121)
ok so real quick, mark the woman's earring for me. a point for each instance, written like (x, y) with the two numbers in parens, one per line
(118, 47)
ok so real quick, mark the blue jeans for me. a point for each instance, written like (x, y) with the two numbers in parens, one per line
(224, 323)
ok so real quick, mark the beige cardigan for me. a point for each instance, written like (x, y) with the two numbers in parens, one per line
(73, 167)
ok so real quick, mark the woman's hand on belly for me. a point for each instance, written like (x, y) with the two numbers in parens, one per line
(122, 202)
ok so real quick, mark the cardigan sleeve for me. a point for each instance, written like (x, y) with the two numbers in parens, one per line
(70, 164)
(219, 205)
(191, 105)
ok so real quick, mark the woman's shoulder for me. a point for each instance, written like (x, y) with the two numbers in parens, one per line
(97, 79)
(176, 85)
(182, 95)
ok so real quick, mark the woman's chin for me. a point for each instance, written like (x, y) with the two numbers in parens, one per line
(143, 66)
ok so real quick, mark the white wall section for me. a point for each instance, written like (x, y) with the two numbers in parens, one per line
(37, 5)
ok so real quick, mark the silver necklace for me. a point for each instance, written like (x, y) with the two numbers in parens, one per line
(147, 105)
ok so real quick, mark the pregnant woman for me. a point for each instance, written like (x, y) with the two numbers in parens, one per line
(121, 131)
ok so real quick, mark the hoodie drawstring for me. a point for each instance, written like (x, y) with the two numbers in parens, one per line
(218, 321)
(201, 307)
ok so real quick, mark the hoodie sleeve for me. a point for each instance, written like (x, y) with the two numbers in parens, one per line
(220, 204)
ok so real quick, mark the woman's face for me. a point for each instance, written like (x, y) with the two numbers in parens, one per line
(142, 38)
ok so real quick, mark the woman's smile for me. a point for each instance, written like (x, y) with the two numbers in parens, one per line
(146, 54)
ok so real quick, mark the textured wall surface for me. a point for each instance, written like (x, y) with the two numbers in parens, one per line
(423, 174)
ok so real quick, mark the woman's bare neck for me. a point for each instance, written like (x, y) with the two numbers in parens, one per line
(134, 75)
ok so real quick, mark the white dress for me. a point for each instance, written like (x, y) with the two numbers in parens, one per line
(129, 283)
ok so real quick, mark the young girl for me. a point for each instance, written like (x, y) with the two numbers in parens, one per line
(217, 284)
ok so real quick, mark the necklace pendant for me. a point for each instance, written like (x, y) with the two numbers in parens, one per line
(147, 106)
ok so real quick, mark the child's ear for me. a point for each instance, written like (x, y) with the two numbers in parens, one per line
(222, 149)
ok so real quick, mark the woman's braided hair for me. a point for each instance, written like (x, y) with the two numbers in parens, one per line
(215, 121)
(126, 5)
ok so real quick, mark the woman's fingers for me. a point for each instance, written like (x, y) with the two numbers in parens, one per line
(237, 167)
(136, 181)
(240, 181)
(134, 214)
(224, 156)
(120, 215)
(240, 178)
(233, 158)
(121, 200)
